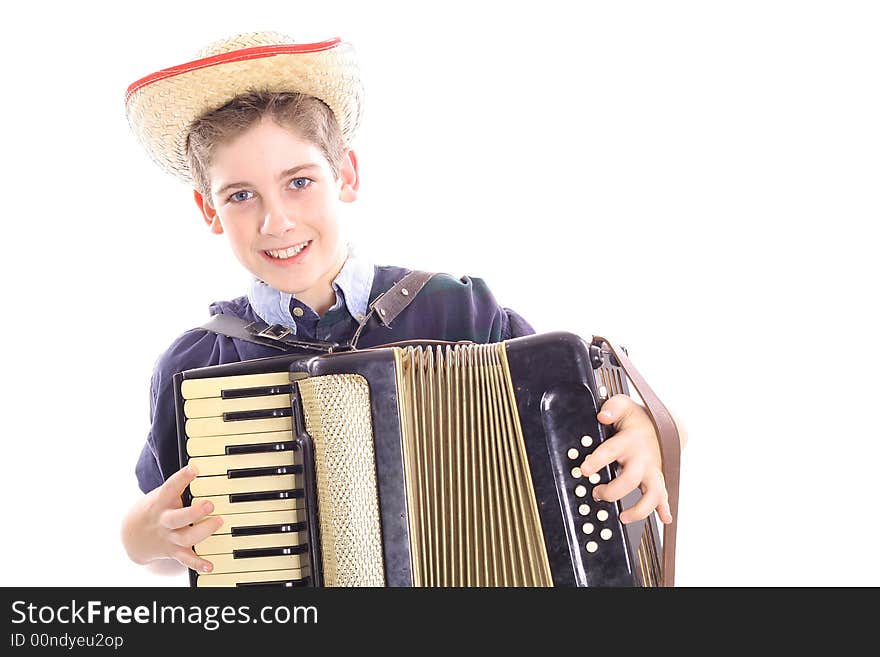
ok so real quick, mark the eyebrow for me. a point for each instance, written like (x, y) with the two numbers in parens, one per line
(283, 174)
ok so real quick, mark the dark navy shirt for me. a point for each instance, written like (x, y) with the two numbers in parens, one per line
(447, 308)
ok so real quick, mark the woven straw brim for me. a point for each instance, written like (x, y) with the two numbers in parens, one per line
(161, 109)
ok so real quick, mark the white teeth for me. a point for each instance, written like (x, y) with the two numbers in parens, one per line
(288, 253)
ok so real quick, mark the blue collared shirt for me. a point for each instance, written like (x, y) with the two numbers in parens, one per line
(352, 286)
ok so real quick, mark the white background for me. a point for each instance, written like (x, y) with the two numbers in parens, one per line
(697, 180)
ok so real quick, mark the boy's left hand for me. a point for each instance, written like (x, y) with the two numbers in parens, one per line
(636, 448)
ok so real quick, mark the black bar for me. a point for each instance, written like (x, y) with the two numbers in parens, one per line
(294, 493)
(261, 414)
(268, 471)
(261, 448)
(264, 391)
(259, 530)
(285, 584)
(279, 551)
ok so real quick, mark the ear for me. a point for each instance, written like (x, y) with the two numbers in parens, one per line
(349, 177)
(209, 214)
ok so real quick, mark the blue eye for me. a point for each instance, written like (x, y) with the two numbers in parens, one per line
(236, 197)
(300, 183)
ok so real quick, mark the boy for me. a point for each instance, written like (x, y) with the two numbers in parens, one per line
(261, 129)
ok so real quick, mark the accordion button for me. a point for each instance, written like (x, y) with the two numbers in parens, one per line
(605, 534)
(586, 441)
(584, 509)
(595, 478)
(592, 546)
(588, 528)
(602, 515)
(572, 453)
(580, 491)
(576, 473)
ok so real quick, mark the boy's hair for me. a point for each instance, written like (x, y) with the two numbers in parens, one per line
(305, 115)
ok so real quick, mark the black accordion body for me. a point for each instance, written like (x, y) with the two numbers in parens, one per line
(418, 465)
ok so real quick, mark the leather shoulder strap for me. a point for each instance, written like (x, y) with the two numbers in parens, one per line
(388, 305)
(274, 336)
(670, 452)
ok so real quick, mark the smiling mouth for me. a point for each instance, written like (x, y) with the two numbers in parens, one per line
(290, 252)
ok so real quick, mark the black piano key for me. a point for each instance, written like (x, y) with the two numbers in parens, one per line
(263, 391)
(260, 448)
(282, 551)
(294, 494)
(267, 471)
(259, 414)
(289, 583)
(258, 530)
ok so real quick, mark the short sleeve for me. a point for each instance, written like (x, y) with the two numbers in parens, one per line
(513, 325)
(503, 323)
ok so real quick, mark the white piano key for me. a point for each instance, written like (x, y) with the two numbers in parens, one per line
(223, 505)
(216, 426)
(220, 485)
(219, 465)
(226, 543)
(216, 445)
(226, 563)
(213, 387)
(215, 406)
(232, 579)
(241, 520)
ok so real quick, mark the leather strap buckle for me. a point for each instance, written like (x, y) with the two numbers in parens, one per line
(272, 332)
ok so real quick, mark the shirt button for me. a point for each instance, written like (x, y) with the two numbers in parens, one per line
(298, 311)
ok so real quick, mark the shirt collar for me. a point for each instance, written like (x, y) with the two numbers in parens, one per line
(352, 285)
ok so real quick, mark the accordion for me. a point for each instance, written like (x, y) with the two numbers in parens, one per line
(422, 464)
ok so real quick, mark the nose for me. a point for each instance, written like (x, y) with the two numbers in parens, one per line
(276, 220)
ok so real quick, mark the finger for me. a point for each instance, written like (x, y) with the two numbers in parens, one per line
(616, 409)
(641, 509)
(189, 536)
(664, 512)
(191, 560)
(175, 484)
(606, 453)
(177, 518)
(626, 482)
(653, 497)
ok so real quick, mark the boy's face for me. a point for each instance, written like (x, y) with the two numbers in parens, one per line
(275, 197)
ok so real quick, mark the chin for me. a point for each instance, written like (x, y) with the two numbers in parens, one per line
(290, 287)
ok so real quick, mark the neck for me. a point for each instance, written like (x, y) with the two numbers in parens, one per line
(321, 297)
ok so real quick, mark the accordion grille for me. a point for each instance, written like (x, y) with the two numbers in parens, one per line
(472, 511)
(337, 417)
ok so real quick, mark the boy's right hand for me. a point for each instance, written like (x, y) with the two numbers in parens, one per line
(158, 526)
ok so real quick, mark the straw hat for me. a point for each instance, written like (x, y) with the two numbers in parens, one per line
(162, 106)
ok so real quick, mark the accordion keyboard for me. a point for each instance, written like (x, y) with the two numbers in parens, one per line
(239, 437)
